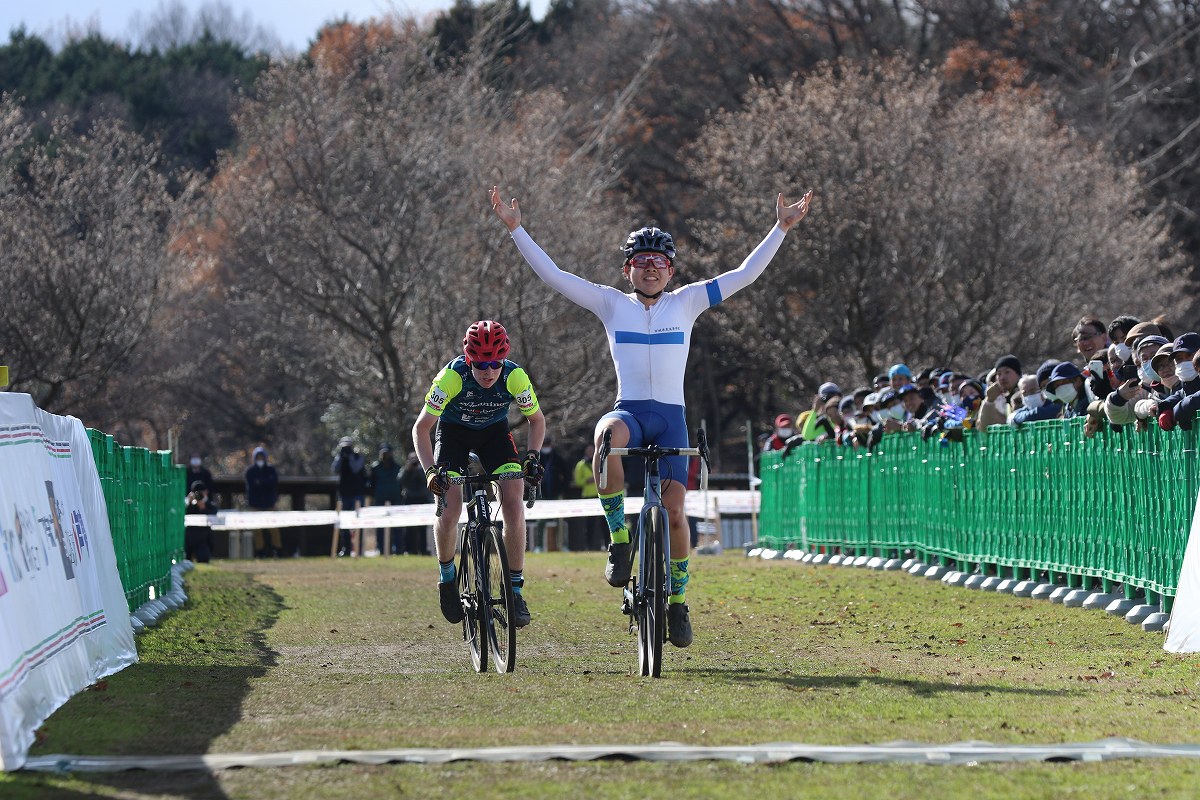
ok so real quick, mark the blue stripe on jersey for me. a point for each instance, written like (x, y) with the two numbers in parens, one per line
(714, 293)
(634, 337)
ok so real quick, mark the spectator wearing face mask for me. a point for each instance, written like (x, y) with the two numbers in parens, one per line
(197, 472)
(1119, 327)
(1162, 369)
(1183, 351)
(970, 398)
(262, 494)
(783, 431)
(1128, 389)
(1127, 404)
(892, 411)
(849, 420)
(946, 391)
(1066, 385)
(1035, 405)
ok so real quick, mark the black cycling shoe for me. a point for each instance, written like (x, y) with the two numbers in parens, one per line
(520, 616)
(679, 626)
(619, 565)
(451, 603)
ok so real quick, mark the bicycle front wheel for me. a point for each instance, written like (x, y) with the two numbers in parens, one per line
(468, 592)
(652, 607)
(501, 632)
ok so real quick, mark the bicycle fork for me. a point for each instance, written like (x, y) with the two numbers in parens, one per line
(632, 601)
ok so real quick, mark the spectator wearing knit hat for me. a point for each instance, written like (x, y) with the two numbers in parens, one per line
(898, 375)
(1000, 394)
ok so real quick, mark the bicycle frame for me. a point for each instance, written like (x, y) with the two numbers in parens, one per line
(637, 601)
(482, 612)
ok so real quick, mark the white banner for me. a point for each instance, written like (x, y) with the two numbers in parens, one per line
(704, 505)
(1183, 635)
(64, 621)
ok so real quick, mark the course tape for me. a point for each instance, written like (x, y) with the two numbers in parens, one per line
(961, 753)
(697, 504)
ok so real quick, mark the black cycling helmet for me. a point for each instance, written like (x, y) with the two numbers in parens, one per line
(649, 240)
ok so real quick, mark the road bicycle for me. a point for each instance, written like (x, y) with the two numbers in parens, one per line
(484, 586)
(645, 596)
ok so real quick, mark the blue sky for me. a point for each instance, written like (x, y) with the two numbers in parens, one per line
(294, 22)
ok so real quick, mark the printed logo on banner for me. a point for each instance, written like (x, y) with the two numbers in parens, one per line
(67, 554)
(22, 550)
(79, 531)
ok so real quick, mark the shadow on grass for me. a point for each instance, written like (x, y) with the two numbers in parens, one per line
(187, 690)
(818, 682)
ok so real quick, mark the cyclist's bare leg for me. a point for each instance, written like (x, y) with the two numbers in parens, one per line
(512, 506)
(615, 480)
(446, 527)
(673, 494)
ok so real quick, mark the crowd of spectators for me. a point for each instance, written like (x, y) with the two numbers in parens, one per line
(1128, 372)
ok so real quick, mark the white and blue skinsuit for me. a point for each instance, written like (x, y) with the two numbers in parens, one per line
(650, 345)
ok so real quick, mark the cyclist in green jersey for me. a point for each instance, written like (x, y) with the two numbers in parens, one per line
(466, 410)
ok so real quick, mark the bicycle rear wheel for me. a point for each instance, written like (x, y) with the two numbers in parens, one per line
(468, 590)
(652, 609)
(498, 591)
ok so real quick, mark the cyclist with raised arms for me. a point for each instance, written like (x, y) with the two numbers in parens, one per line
(649, 335)
(466, 410)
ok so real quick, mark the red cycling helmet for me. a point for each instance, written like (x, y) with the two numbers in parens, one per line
(486, 340)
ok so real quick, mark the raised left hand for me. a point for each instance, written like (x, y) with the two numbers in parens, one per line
(791, 214)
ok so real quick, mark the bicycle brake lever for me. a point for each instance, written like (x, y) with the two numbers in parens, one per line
(440, 502)
(605, 445)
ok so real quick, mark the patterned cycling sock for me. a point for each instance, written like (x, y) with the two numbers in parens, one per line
(448, 573)
(679, 579)
(614, 514)
(518, 580)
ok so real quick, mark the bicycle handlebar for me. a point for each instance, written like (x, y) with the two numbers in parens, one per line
(653, 451)
(529, 496)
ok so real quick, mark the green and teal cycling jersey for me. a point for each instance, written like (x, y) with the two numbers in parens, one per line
(457, 397)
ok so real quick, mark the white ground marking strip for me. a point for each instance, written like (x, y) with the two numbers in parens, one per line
(970, 752)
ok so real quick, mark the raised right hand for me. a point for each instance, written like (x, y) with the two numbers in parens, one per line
(510, 215)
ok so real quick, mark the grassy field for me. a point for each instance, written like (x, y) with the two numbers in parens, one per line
(316, 653)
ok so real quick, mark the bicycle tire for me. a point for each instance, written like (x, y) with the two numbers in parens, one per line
(498, 598)
(468, 588)
(652, 609)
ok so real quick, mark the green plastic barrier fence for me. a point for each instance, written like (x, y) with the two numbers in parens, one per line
(145, 495)
(1043, 498)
